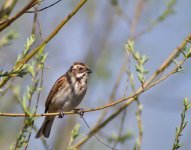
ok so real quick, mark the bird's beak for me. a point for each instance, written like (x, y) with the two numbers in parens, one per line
(88, 70)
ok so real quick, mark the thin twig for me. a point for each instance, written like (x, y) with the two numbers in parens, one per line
(43, 8)
(121, 13)
(34, 21)
(96, 135)
(125, 111)
(138, 9)
(121, 127)
(138, 112)
(112, 95)
(42, 73)
(36, 107)
(101, 125)
(140, 126)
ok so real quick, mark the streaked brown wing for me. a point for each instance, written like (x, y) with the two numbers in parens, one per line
(53, 91)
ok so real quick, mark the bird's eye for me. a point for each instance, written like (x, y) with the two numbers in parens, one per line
(80, 68)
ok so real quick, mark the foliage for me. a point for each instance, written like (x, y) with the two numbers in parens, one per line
(183, 123)
(140, 59)
(169, 10)
(122, 139)
(33, 69)
(7, 38)
(22, 70)
(74, 135)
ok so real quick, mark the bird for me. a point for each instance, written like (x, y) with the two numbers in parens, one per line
(65, 95)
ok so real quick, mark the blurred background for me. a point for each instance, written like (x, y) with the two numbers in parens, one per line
(96, 35)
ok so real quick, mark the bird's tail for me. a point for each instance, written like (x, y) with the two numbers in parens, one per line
(46, 127)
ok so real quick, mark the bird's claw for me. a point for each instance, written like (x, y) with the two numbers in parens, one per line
(61, 114)
(79, 111)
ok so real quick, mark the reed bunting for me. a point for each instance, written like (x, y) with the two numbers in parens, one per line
(66, 94)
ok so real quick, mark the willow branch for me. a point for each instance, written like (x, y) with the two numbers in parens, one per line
(44, 7)
(87, 110)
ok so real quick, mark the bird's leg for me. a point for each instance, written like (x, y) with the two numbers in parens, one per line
(61, 114)
(79, 111)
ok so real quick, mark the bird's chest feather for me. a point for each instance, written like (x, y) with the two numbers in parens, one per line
(70, 96)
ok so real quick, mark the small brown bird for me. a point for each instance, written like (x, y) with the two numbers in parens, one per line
(66, 94)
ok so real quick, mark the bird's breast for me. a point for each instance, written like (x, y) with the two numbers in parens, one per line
(69, 97)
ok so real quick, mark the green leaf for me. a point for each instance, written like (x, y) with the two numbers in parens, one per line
(24, 104)
(169, 10)
(29, 43)
(44, 57)
(130, 46)
(189, 105)
(183, 124)
(73, 136)
(31, 70)
(122, 138)
(75, 131)
(114, 2)
(144, 59)
(188, 55)
(138, 68)
(27, 47)
(137, 55)
(6, 40)
(146, 71)
(141, 77)
(41, 50)
(185, 101)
